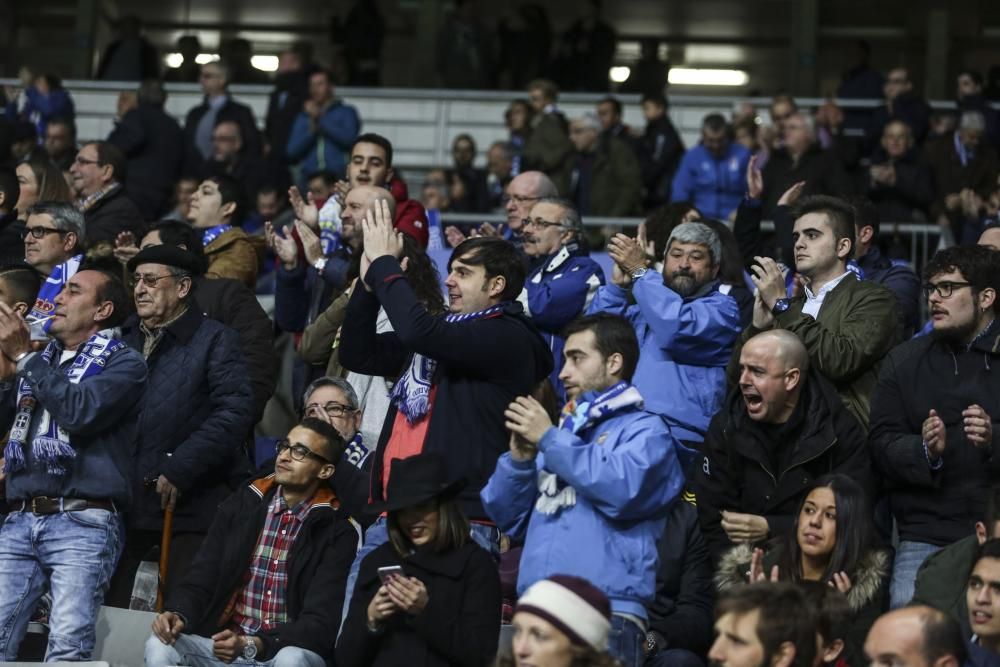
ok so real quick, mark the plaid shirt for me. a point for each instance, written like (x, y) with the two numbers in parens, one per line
(261, 605)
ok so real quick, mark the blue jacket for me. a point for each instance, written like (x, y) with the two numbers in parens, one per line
(100, 414)
(684, 346)
(325, 149)
(714, 185)
(42, 108)
(558, 292)
(625, 472)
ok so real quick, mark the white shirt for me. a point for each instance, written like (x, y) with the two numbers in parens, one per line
(815, 301)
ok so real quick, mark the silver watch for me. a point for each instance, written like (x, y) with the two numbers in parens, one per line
(639, 272)
(249, 648)
(320, 264)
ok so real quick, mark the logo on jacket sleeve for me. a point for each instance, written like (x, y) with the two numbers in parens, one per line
(704, 467)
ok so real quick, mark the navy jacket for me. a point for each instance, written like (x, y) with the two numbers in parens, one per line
(482, 366)
(153, 144)
(195, 418)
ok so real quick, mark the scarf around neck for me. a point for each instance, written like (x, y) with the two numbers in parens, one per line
(45, 301)
(213, 233)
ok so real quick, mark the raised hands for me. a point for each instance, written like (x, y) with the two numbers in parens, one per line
(306, 211)
(381, 238)
(282, 246)
(755, 179)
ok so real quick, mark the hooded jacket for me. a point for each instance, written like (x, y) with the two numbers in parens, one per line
(714, 185)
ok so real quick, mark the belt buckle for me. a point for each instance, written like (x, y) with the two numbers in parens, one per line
(34, 503)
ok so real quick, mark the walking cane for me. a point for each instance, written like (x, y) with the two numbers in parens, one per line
(168, 530)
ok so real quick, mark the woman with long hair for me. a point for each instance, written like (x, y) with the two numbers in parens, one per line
(39, 180)
(833, 542)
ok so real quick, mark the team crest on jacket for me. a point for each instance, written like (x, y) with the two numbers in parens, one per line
(602, 437)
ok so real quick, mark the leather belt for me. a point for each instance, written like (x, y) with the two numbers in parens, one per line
(47, 505)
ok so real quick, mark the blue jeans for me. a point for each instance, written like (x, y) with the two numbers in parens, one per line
(74, 554)
(909, 557)
(626, 641)
(488, 537)
(196, 651)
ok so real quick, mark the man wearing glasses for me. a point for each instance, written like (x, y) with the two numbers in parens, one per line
(268, 583)
(932, 435)
(98, 176)
(53, 245)
(196, 414)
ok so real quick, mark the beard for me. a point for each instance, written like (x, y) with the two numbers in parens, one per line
(683, 283)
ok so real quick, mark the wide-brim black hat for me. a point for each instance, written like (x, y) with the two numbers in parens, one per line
(167, 255)
(416, 480)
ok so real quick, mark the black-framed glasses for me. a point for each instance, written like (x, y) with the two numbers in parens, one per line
(298, 451)
(541, 223)
(40, 232)
(332, 409)
(149, 280)
(944, 289)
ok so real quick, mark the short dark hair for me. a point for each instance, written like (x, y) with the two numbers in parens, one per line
(109, 154)
(978, 264)
(177, 233)
(839, 215)
(498, 257)
(833, 611)
(976, 77)
(333, 442)
(656, 98)
(612, 333)
(988, 549)
(865, 213)
(22, 281)
(661, 222)
(992, 507)
(714, 122)
(942, 637)
(547, 87)
(152, 92)
(66, 122)
(113, 290)
(9, 187)
(230, 191)
(329, 178)
(785, 615)
(731, 262)
(378, 140)
(613, 101)
(327, 74)
(464, 137)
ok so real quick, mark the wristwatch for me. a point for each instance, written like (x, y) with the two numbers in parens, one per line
(780, 306)
(320, 264)
(249, 648)
(638, 272)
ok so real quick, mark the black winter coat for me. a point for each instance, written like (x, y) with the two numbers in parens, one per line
(152, 142)
(460, 625)
(112, 215)
(317, 566)
(233, 111)
(195, 419)
(739, 475)
(821, 170)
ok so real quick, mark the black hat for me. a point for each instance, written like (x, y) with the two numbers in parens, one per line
(416, 480)
(168, 255)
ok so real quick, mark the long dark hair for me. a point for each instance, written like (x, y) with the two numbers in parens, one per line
(423, 276)
(855, 533)
(452, 531)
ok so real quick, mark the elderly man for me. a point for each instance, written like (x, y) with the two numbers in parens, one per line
(605, 178)
(73, 411)
(521, 194)
(563, 285)
(686, 326)
(897, 181)
(196, 413)
(961, 161)
(53, 246)
(98, 175)
(710, 175)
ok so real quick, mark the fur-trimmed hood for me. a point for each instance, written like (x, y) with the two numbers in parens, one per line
(866, 581)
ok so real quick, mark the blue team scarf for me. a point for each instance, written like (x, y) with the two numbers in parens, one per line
(412, 391)
(51, 446)
(45, 302)
(213, 233)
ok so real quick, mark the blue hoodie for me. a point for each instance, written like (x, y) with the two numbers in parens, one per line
(714, 185)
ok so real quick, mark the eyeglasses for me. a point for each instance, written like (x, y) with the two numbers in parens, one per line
(539, 222)
(84, 161)
(517, 199)
(299, 451)
(149, 280)
(331, 409)
(944, 288)
(41, 232)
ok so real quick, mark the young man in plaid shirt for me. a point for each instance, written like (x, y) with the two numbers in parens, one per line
(268, 582)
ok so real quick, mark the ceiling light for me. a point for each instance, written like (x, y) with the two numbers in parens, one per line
(265, 63)
(683, 76)
(620, 74)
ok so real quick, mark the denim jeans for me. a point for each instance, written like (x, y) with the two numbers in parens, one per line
(625, 643)
(488, 537)
(197, 652)
(909, 557)
(74, 553)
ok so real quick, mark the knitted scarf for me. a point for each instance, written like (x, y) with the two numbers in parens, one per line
(45, 301)
(213, 233)
(51, 446)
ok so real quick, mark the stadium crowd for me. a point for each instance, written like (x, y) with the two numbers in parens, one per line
(787, 437)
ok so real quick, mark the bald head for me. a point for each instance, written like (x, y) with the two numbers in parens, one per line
(773, 367)
(918, 636)
(359, 202)
(523, 192)
(990, 238)
(784, 346)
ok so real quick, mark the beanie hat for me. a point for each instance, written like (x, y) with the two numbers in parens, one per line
(573, 605)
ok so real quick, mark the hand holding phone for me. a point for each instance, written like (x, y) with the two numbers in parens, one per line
(386, 573)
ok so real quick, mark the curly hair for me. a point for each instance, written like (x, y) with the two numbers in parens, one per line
(979, 265)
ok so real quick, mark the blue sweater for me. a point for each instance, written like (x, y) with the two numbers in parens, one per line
(325, 148)
(714, 185)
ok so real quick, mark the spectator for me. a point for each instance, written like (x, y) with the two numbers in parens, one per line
(217, 106)
(362, 33)
(782, 108)
(547, 147)
(130, 57)
(710, 175)
(473, 193)
(916, 637)
(499, 172)
(195, 416)
(151, 141)
(99, 174)
(680, 615)
(324, 131)
(587, 51)
(833, 621)
(42, 99)
(217, 209)
(289, 526)
(663, 149)
(557, 494)
(321, 185)
(846, 324)
(184, 189)
(519, 119)
(19, 285)
(52, 246)
(931, 435)
(291, 90)
(272, 206)
(563, 285)
(605, 179)
(442, 602)
(562, 620)
(781, 417)
(66, 462)
(969, 95)
(230, 158)
(11, 229)
(24, 143)
(189, 71)
(765, 624)
(981, 599)
(801, 159)
(897, 181)
(685, 326)
(732, 278)
(832, 542)
(609, 113)
(902, 103)
(60, 142)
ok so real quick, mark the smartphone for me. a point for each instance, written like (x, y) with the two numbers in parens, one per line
(384, 573)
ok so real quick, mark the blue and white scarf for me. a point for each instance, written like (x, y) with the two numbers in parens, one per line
(213, 233)
(51, 446)
(554, 493)
(45, 302)
(412, 392)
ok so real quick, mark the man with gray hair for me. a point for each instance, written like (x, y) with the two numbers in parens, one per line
(685, 325)
(53, 245)
(563, 285)
(606, 179)
(963, 164)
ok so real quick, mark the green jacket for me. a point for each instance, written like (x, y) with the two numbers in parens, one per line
(615, 180)
(856, 327)
(942, 579)
(549, 150)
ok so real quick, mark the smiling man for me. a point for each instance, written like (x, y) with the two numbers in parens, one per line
(780, 429)
(932, 434)
(98, 175)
